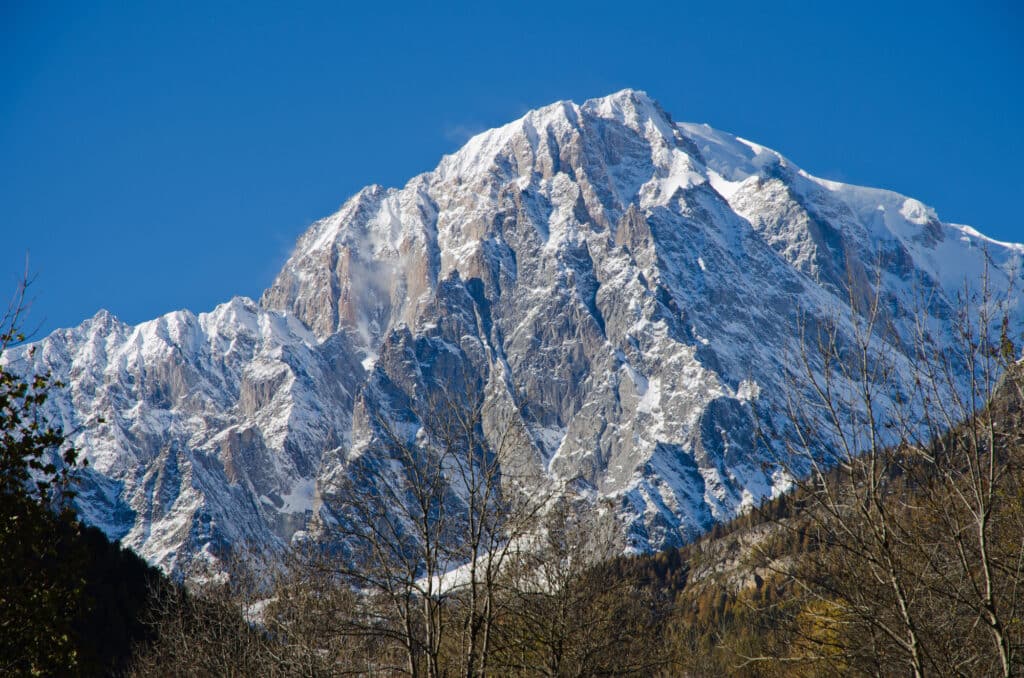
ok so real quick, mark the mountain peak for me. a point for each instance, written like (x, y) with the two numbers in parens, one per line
(633, 279)
(627, 99)
(633, 108)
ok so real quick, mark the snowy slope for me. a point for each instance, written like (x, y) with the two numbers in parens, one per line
(636, 279)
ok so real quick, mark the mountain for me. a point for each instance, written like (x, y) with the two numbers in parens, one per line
(637, 282)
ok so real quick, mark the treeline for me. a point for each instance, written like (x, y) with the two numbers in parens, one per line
(899, 550)
(548, 614)
(770, 596)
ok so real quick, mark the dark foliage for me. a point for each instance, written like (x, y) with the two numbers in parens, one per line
(70, 601)
(119, 590)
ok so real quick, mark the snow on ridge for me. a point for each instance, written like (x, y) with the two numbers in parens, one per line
(643, 313)
(886, 215)
(973, 233)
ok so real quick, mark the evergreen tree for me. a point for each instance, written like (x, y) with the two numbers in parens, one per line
(41, 586)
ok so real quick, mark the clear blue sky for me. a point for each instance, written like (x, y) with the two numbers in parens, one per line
(155, 156)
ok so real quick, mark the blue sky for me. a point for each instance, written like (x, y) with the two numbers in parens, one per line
(166, 156)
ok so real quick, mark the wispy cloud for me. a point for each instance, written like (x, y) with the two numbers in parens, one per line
(461, 132)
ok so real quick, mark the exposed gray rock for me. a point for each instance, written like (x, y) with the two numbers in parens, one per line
(636, 281)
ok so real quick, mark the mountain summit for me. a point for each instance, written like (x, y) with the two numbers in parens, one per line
(636, 281)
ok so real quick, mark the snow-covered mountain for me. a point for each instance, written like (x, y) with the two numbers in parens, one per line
(636, 280)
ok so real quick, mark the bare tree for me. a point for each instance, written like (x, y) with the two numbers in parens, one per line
(570, 611)
(209, 627)
(424, 539)
(910, 471)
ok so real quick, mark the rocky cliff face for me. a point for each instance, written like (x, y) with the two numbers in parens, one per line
(636, 281)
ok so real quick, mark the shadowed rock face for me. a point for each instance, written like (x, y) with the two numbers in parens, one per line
(635, 281)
